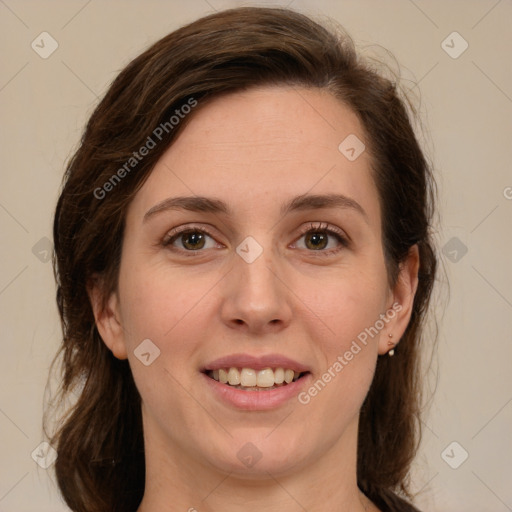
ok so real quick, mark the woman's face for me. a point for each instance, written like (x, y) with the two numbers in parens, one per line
(270, 258)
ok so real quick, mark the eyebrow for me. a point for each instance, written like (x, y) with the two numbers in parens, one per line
(299, 203)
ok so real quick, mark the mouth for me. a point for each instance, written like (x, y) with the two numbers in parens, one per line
(251, 382)
(250, 379)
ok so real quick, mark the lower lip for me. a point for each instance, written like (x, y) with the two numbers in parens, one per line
(256, 400)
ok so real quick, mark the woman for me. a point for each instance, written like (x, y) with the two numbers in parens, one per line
(244, 264)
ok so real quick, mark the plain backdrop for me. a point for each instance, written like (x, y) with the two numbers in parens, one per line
(464, 82)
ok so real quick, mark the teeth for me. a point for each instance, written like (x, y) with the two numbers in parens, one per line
(266, 378)
(233, 377)
(247, 378)
(223, 376)
(279, 376)
(288, 376)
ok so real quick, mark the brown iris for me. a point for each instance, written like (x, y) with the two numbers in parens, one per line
(316, 240)
(193, 240)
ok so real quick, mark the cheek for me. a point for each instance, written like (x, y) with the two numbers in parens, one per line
(345, 305)
(159, 302)
(349, 351)
(345, 328)
(172, 311)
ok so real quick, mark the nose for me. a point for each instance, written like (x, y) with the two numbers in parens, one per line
(256, 299)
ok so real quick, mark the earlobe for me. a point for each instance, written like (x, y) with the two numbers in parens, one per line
(402, 302)
(107, 318)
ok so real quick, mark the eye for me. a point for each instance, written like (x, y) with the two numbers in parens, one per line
(320, 237)
(190, 239)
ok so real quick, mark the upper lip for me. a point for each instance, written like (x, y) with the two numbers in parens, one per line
(256, 362)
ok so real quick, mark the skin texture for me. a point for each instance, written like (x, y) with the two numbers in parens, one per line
(255, 150)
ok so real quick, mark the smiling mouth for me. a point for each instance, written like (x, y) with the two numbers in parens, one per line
(248, 379)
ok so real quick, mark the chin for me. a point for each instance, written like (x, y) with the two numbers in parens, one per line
(256, 456)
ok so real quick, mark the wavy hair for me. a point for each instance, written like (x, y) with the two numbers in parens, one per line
(99, 438)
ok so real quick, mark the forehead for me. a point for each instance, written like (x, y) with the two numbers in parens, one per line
(258, 147)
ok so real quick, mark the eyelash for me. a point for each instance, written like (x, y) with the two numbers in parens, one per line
(310, 228)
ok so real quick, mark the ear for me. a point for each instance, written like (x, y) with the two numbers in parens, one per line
(402, 301)
(107, 318)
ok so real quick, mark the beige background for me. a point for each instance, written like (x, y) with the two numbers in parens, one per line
(466, 104)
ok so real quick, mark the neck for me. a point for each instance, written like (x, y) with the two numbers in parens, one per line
(177, 482)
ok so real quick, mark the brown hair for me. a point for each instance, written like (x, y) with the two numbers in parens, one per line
(100, 464)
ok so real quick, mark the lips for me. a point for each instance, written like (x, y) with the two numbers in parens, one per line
(255, 398)
(240, 373)
(256, 363)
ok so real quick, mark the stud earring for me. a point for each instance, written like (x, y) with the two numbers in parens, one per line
(391, 344)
